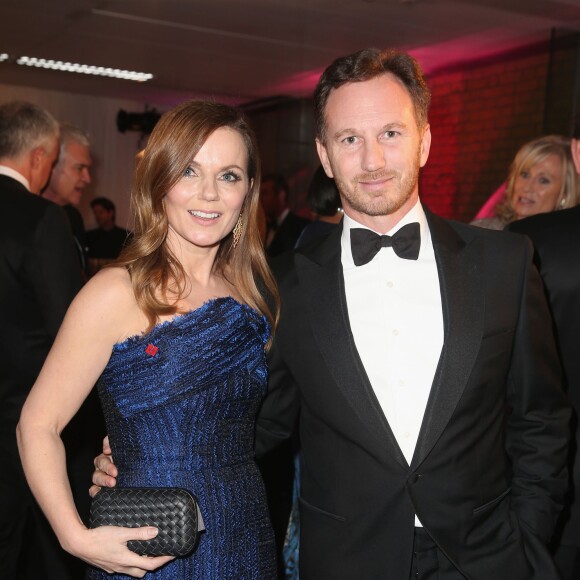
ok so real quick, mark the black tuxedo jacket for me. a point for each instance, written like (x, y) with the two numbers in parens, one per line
(39, 277)
(556, 238)
(488, 476)
(287, 234)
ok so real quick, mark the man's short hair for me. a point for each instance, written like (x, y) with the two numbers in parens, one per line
(70, 133)
(365, 65)
(24, 126)
(105, 203)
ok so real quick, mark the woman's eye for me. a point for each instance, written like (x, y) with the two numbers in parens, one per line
(231, 177)
(524, 174)
(544, 181)
(189, 172)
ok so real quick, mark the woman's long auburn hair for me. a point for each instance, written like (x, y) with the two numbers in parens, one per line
(157, 277)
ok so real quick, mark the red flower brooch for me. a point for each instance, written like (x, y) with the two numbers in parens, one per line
(151, 349)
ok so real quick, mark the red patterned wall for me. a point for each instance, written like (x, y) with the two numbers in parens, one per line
(480, 116)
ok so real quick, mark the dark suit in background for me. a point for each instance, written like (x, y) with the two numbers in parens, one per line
(556, 238)
(287, 233)
(39, 277)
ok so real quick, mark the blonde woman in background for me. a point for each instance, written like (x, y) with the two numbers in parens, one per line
(542, 179)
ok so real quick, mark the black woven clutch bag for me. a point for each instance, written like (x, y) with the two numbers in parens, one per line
(170, 509)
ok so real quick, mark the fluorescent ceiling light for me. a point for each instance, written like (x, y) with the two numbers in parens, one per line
(81, 68)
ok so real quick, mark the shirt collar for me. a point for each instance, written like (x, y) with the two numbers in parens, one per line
(415, 214)
(9, 172)
(282, 216)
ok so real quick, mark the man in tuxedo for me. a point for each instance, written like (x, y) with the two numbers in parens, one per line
(40, 276)
(432, 422)
(556, 239)
(283, 227)
(417, 355)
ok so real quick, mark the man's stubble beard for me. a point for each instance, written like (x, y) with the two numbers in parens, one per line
(381, 203)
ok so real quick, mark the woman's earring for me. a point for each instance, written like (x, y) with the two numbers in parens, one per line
(563, 202)
(237, 233)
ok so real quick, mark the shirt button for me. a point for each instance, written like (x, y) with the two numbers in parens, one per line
(395, 332)
(390, 284)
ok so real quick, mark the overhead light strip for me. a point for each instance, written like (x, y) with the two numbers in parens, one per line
(79, 68)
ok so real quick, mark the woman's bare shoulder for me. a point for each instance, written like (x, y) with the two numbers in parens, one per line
(110, 287)
(107, 304)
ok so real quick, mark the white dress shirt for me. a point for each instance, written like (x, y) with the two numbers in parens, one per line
(395, 314)
(9, 172)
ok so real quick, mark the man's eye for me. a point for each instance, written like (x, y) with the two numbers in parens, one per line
(391, 134)
(349, 140)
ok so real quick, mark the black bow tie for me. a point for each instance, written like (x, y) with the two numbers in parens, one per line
(365, 244)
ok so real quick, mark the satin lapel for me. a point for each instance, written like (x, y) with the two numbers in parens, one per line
(460, 267)
(322, 288)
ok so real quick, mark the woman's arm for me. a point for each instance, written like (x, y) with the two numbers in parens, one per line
(103, 313)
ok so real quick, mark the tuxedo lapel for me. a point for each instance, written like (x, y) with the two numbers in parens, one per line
(459, 265)
(322, 288)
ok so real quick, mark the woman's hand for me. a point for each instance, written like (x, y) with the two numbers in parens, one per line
(106, 548)
(105, 470)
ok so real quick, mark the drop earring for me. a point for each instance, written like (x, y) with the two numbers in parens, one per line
(237, 232)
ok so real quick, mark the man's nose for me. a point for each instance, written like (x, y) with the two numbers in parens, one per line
(373, 156)
(85, 175)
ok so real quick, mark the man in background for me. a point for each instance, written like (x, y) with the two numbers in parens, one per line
(40, 276)
(556, 239)
(105, 242)
(283, 227)
(69, 179)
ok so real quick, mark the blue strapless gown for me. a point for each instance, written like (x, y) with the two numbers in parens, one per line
(180, 405)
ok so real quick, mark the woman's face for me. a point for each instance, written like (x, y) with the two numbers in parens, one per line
(536, 190)
(203, 206)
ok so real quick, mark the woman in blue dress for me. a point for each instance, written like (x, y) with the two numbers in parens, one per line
(174, 335)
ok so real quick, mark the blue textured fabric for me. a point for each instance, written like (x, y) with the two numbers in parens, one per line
(291, 548)
(180, 404)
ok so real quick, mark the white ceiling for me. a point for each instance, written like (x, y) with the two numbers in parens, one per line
(242, 50)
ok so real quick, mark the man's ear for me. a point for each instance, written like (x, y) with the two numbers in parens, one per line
(425, 145)
(36, 157)
(323, 155)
